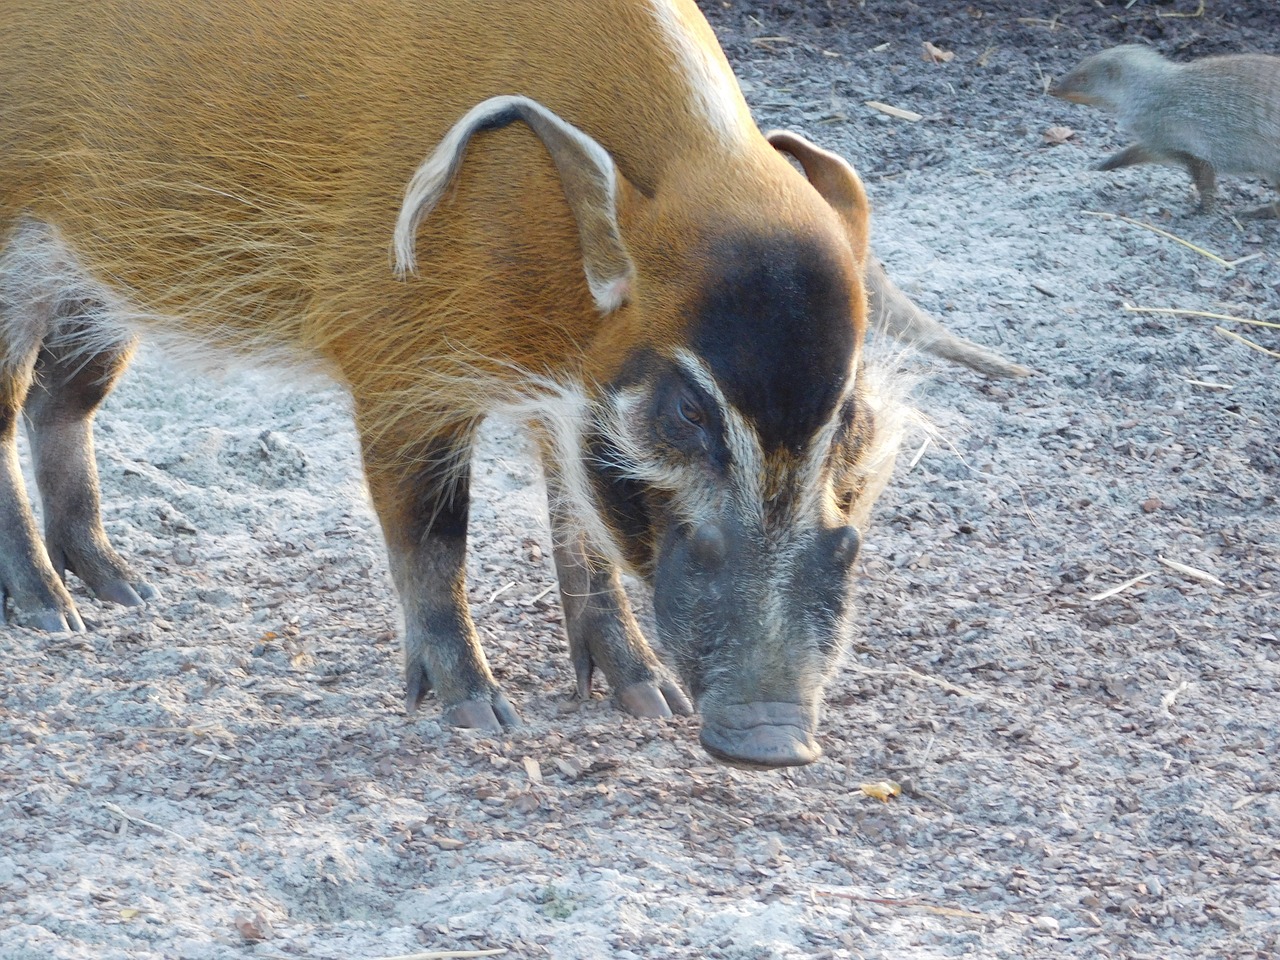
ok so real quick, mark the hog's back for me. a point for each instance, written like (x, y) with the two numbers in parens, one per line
(235, 170)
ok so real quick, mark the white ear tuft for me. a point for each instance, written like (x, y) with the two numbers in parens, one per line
(587, 174)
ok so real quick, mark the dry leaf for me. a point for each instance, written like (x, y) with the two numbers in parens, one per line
(1056, 135)
(881, 789)
(934, 54)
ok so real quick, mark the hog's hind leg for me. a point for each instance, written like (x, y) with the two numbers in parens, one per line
(74, 372)
(27, 576)
(423, 503)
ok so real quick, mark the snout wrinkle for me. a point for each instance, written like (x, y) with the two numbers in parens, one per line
(766, 734)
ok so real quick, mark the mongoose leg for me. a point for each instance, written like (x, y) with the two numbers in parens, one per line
(601, 628)
(1130, 156)
(1205, 179)
(423, 501)
(1269, 212)
(26, 574)
(69, 387)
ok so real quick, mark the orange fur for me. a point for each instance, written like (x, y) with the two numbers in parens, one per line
(238, 167)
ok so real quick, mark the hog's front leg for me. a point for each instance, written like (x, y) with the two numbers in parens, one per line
(422, 498)
(601, 628)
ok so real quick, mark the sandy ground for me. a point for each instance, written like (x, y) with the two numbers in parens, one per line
(230, 771)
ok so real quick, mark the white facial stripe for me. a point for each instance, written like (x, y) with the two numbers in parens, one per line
(697, 500)
(748, 455)
(741, 439)
(810, 478)
(706, 73)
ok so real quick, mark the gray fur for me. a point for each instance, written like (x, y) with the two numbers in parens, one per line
(1210, 116)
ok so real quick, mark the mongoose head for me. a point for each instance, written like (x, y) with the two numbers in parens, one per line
(1104, 78)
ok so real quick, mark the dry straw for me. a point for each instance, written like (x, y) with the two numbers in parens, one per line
(1221, 261)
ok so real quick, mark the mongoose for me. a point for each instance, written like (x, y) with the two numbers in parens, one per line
(1216, 115)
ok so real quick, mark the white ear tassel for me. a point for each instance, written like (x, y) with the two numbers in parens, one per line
(587, 172)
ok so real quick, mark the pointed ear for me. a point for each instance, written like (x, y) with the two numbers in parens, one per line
(836, 181)
(587, 174)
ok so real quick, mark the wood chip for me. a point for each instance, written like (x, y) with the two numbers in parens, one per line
(1121, 587)
(935, 54)
(532, 769)
(1193, 572)
(894, 111)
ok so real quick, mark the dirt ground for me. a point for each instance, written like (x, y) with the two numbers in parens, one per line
(1085, 772)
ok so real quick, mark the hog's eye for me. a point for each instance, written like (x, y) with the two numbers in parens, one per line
(690, 412)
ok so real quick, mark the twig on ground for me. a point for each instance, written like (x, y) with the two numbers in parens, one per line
(1193, 572)
(920, 453)
(894, 111)
(446, 954)
(913, 903)
(130, 818)
(1200, 313)
(1247, 342)
(1165, 233)
(1120, 587)
(947, 685)
(1198, 12)
(213, 754)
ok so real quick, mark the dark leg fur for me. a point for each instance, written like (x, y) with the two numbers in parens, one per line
(1205, 179)
(1128, 157)
(1202, 172)
(26, 574)
(1269, 212)
(423, 503)
(601, 628)
(60, 408)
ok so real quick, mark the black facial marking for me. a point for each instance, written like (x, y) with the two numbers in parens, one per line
(622, 500)
(686, 420)
(776, 328)
(681, 424)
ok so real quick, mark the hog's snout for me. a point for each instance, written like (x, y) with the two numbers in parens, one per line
(755, 625)
(761, 734)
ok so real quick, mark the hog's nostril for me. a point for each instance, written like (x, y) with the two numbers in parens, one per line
(846, 544)
(708, 545)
